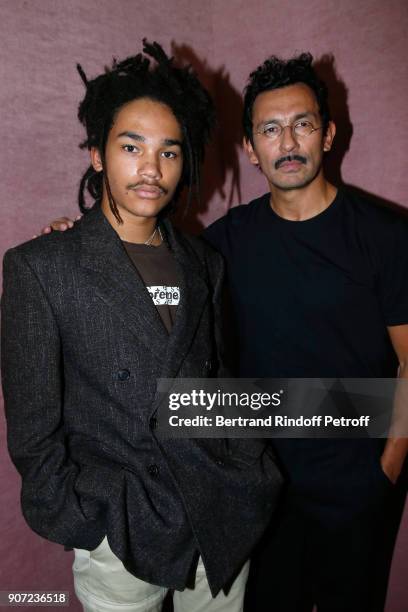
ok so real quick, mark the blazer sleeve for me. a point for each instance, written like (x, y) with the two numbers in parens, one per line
(246, 451)
(32, 377)
(216, 272)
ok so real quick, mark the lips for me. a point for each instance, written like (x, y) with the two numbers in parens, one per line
(290, 163)
(290, 166)
(148, 192)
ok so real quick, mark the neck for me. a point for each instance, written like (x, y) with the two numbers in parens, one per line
(133, 229)
(304, 203)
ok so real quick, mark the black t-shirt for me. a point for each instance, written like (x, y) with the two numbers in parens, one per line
(313, 298)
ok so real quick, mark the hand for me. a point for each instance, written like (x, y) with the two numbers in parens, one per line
(59, 225)
(391, 469)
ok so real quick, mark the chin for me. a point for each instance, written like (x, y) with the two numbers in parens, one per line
(290, 187)
(295, 183)
(147, 209)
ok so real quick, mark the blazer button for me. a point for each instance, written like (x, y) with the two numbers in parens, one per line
(153, 423)
(153, 470)
(123, 374)
(208, 365)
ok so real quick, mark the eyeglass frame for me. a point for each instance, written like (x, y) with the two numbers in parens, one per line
(292, 126)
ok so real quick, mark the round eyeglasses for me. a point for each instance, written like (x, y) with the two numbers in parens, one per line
(299, 129)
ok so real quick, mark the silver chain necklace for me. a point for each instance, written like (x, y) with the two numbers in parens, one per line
(151, 238)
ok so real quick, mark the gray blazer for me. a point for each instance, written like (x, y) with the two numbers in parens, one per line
(82, 348)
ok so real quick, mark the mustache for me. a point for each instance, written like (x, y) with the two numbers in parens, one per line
(146, 184)
(289, 158)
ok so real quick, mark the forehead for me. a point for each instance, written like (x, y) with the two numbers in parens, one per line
(284, 102)
(149, 118)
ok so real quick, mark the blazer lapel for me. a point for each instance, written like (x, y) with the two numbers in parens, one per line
(117, 282)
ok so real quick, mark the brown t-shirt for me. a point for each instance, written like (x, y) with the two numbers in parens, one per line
(158, 270)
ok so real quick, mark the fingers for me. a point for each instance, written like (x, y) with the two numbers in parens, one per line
(45, 230)
(59, 225)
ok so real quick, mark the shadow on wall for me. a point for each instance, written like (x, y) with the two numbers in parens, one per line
(221, 158)
(338, 104)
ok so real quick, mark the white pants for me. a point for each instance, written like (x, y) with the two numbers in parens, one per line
(102, 584)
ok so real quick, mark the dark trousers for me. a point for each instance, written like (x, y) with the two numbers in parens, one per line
(333, 551)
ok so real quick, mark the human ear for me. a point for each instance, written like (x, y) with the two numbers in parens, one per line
(329, 136)
(250, 151)
(96, 160)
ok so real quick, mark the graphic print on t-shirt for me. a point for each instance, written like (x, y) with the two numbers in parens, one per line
(159, 272)
(162, 294)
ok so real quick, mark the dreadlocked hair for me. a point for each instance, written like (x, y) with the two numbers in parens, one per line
(275, 73)
(134, 78)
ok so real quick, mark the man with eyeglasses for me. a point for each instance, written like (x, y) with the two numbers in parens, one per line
(319, 287)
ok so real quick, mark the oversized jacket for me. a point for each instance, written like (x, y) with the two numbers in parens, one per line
(82, 349)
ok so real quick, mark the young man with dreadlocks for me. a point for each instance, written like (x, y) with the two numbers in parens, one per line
(91, 319)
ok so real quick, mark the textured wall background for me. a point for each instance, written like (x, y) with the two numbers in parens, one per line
(41, 40)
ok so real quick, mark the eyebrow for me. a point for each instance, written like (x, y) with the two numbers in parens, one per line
(295, 118)
(167, 142)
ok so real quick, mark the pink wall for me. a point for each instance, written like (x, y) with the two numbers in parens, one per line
(368, 41)
(41, 164)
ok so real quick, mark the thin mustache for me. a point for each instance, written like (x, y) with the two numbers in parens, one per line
(290, 158)
(144, 184)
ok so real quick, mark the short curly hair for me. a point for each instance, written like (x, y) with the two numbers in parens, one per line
(275, 73)
(134, 78)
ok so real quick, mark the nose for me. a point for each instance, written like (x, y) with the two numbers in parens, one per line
(150, 168)
(288, 141)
